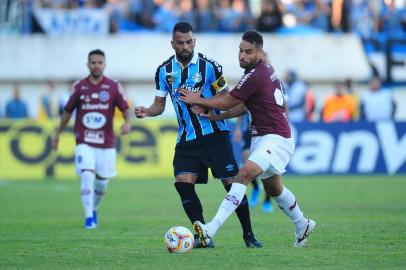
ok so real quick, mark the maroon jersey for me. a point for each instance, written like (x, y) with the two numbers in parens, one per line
(262, 94)
(95, 106)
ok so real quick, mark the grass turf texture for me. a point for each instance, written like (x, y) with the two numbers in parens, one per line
(360, 225)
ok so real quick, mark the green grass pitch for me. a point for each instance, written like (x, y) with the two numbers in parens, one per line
(361, 224)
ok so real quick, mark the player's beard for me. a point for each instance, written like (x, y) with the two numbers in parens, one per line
(184, 58)
(96, 74)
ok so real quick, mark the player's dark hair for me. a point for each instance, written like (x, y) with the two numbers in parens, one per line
(96, 52)
(253, 37)
(183, 27)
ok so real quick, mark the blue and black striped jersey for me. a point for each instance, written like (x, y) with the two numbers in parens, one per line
(202, 74)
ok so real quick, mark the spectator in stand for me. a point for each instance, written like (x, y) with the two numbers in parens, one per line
(296, 91)
(340, 107)
(233, 16)
(393, 20)
(377, 103)
(187, 13)
(16, 108)
(166, 16)
(271, 15)
(49, 106)
(205, 21)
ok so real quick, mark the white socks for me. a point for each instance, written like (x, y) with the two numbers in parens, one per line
(287, 202)
(86, 191)
(99, 191)
(227, 207)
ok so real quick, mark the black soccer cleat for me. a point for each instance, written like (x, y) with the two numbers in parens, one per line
(198, 244)
(251, 241)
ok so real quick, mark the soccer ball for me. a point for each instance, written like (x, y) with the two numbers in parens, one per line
(179, 240)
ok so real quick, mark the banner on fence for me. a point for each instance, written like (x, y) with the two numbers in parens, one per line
(147, 152)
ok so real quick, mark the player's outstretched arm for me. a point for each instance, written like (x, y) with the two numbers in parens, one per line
(156, 108)
(126, 126)
(64, 121)
(222, 101)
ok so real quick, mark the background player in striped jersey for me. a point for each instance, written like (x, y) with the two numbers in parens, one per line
(94, 98)
(201, 143)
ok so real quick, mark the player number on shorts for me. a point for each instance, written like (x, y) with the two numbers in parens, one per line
(278, 97)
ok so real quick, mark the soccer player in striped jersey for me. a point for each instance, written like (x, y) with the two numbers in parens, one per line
(201, 143)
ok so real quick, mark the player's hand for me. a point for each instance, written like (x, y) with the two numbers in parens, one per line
(237, 135)
(198, 110)
(188, 97)
(211, 115)
(125, 128)
(140, 112)
(55, 141)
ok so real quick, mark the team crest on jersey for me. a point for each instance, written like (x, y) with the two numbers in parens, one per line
(197, 77)
(104, 96)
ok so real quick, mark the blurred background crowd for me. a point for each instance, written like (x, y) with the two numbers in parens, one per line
(368, 18)
(374, 22)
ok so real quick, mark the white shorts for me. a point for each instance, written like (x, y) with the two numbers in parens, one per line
(100, 160)
(271, 153)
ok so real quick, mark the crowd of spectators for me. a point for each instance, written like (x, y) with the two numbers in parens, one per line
(368, 18)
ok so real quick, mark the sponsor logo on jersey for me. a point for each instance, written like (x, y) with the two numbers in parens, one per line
(98, 106)
(197, 77)
(94, 120)
(84, 87)
(189, 88)
(105, 86)
(244, 79)
(94, 95)
(273, 76)
(87, 98)
(170, 77)
(104, 96)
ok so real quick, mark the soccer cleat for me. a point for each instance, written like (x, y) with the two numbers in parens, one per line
(89, 224)
(302, 234)
(202, 232)
(198, 244)
(251, 241)
(267, 207)
(95, 220)
(254, 197)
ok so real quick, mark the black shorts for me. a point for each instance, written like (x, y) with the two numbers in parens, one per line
(212, 151)
(246, 140)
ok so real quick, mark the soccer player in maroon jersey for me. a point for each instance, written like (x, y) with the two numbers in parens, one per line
(94, 98)
(272, 145)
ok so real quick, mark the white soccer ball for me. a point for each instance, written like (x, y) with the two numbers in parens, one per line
(179, 240)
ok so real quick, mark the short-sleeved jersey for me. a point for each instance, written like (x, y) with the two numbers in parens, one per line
(262, 94)
(95, 106)
(202, 74)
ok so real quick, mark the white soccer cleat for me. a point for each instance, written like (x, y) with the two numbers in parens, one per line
(302, 234)
(203, 232)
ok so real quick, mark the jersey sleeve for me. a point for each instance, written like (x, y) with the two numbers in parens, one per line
(122, 103)
(161, 85)
(73, 99)
(219, 81)
(247, 86)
